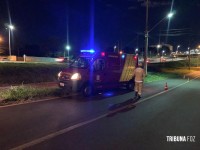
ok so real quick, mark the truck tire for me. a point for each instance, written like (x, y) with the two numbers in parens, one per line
(87, 90)
(130, 85)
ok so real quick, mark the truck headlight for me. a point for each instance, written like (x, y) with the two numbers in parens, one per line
(76, 76)
(59, 74)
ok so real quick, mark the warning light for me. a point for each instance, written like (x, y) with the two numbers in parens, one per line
(103, 54)
(87, 51)
(136, 60)
(121, 52)
(135, 57)
(123, 56)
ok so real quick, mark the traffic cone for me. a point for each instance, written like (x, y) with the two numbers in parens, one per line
(166, 87)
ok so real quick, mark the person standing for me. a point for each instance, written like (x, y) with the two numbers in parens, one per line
(139, 75)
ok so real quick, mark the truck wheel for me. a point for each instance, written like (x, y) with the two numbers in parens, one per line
(130, 85)
(87, 90)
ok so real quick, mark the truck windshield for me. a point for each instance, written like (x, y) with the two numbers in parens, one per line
(81, 62)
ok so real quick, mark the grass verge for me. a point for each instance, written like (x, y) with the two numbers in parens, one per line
(26, 93)
(155, 76)
(18, 73)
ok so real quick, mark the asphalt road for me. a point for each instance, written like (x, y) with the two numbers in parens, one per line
(74, 123)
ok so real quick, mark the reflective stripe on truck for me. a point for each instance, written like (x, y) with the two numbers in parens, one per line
(128, 68)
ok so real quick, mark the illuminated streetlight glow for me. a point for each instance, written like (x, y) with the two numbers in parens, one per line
(10, 28)
(177, 47)
(170, 14)
(136, 50)
(68, 49)
(158, 46)
(115, 48)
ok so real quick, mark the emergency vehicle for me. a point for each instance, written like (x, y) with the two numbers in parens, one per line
(93, 71)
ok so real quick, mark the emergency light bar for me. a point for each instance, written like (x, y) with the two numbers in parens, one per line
(87, 51)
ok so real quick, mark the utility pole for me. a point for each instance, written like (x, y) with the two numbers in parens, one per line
(146, 37)
(189, 58)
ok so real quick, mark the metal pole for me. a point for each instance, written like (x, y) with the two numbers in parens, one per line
(146, 37)
(9, 43)
(189, 60)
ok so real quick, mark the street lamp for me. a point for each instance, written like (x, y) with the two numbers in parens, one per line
(189, 57)
(158, 47)
(68, 49)
(163, 52)
(177, 48)
(147, 31)
(10, 28)
(136, 50)
(115, 48)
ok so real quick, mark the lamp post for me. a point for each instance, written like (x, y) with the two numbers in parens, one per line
(10, 28)
(177, 48)
(68, 49)
(147, 31)
(163, 52)
(158, 47)
(146, 37)
(189, 58)
(115, 48)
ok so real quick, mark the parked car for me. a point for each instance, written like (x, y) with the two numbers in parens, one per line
(63, 60)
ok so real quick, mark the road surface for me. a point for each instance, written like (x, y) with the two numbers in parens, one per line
(157, 121)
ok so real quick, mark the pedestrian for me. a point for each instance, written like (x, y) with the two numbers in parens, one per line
(139, 75)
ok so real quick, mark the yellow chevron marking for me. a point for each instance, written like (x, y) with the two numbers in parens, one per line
(128, 69)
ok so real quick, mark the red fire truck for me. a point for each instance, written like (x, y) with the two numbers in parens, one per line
(93, 71)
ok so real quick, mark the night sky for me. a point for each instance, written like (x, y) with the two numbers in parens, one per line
(99, 24)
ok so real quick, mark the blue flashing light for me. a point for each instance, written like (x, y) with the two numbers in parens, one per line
(123, 56)
(108, 94)
(88, 51)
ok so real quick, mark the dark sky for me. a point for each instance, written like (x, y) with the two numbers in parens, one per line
(108, 21)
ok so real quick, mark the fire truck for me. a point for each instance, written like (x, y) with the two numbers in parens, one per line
(93, 71)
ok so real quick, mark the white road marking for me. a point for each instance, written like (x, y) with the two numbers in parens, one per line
(52, 135)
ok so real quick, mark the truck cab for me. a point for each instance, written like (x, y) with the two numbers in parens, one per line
(93, 71)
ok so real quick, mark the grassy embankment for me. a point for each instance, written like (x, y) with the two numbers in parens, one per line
(23, 73)
(11, 74)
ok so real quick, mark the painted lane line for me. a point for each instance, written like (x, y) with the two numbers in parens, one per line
(145, 99)
(152, 96)
(52, 135)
